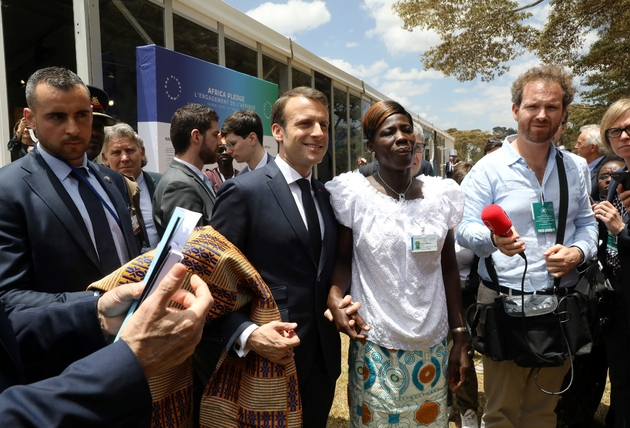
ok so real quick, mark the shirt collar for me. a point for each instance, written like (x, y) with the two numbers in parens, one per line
(192, 167)
(60, 168)
(512, 156)
(290, 175)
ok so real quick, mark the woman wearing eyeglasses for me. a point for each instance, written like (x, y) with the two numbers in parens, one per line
(612, 214)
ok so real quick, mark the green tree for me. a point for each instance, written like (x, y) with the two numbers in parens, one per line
(479, 39)
(470, 144)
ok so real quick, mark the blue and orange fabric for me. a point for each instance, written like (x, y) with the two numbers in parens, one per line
(243, 392)
(390, 387)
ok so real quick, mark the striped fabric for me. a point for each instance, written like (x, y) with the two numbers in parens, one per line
(243, 392)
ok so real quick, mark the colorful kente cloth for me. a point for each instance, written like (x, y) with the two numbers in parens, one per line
(392, 388)
(243, 392)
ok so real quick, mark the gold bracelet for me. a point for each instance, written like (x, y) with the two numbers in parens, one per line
(459, 330)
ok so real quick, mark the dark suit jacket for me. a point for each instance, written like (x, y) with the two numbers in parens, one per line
(152, 179)
(181, 187)
(44, 243)
(426, 168)
(258, 214)
(594, 183)
(246, 169)
(38, 344)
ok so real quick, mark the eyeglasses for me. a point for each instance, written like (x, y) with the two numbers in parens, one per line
(221, 149)
(604, 177)
(616, 132)
(231, 144)
(420, 147)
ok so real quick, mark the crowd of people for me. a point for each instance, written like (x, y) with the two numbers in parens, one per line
(390, 255)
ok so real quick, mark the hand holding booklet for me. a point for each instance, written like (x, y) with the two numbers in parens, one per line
(167, 254)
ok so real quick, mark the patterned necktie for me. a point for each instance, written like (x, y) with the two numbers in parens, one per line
(100, 226)
(312, 221)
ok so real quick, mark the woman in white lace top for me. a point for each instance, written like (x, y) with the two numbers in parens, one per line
(396, 255)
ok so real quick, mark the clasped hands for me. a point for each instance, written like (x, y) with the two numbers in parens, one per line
(345, 314)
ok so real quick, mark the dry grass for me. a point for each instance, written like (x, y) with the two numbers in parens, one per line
(338, 417)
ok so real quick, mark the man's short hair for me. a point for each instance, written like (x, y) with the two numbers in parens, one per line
(549, 74)
(57, 77)
(492, 144)
(243, 123)
(277, 111)
(593, 136)
(417, 129)
(121, 130)
(460, 170)
(185, 120)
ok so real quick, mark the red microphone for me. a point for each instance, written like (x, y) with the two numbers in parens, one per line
(497, 220)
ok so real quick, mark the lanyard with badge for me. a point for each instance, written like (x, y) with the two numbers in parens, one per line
(544, 216)
(423, 243)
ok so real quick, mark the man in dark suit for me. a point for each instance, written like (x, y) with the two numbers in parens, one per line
(286, 228)
(589, 145)
(55, 367)
(51, 239)
(195, 138)
(243, 135)
(123, 151)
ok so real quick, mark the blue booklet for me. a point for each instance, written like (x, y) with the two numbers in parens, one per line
(168, 252)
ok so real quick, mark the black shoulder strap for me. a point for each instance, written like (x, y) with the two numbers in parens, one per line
(564, 205)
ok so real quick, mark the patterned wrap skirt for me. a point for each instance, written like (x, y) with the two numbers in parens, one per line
(393, 388)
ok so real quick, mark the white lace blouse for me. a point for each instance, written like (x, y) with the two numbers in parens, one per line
(401, 292)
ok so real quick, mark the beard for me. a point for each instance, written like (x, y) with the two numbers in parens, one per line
(534, 136)
(207, 154)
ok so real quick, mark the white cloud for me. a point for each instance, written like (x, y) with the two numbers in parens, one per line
(403, 91)
(493, 105)
(460, 90)
(361, 71)
(397, 73)
(351, 44)
(292, 17)
(388, 28)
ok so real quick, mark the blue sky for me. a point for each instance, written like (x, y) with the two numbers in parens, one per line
(365, 39)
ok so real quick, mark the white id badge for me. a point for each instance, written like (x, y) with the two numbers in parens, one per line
(423, 243)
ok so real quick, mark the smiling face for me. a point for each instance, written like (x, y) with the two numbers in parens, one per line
(393, 142)
(540, 114)
(304, 139)
(62, 120)
(124, 156)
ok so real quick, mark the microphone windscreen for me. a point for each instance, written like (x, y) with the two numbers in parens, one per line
(497, 220)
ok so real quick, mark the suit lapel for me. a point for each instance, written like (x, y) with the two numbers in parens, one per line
(284, 197)
(45, 184)
(195, 177)
(150, 183)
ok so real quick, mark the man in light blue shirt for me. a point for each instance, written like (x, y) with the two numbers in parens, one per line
(522, 177)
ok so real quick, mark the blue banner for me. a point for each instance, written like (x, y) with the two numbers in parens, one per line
(168, 80)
